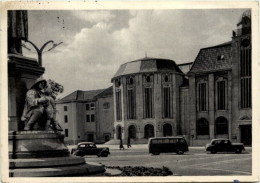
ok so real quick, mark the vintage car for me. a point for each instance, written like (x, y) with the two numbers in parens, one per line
(224, 145)
(90, 148)
(159, 145)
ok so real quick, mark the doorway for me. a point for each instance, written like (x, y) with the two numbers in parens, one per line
(246, 134)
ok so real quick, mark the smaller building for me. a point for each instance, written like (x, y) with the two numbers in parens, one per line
(86, 116)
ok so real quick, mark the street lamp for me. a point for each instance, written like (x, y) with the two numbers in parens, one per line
(40, 51)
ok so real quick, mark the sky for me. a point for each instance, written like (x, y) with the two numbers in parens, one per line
(96, 42)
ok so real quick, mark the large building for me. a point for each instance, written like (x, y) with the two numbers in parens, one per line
(205, 99)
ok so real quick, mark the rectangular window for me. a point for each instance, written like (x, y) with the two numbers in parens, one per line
(65, 108)
(65, 118)
(87, 118)
(92, 106)
(245, 78)
(118, 106)
(148, 103)
(202, 97)
(87, 107)
(221, 95)
(92, 117)
(66, 132)
(130, 104)
(166, 103)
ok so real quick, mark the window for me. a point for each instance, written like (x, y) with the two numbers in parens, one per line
(202, 97)
(202, 127)
(245, 78)
(92, 106)
(87, 118)
(65, 108)
(92, 117)
(148, 103)
(166, 102)
(87, 107)
(106, 105)
(221, 125)
(118, 106)
(65, 118)
(66, 132)
(130, 104)
(221, 95)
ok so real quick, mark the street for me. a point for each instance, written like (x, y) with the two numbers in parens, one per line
(195, 162)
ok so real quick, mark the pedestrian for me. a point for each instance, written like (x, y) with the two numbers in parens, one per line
(121, 144)
(128, 142)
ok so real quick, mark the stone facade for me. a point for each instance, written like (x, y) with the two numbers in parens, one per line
(146, 95)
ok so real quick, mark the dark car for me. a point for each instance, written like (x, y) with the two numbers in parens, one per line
(224, 145)
(159, 145)
(90, 148)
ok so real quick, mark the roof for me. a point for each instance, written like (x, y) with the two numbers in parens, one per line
(82, 95)
(106, 92)
(85, 143)
(147, 64)
(211, 59)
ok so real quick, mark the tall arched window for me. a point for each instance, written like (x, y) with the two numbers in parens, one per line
(148, 131)
(221, 125)
(202, 127)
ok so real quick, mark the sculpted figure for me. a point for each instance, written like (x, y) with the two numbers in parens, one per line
(39, 107)
(17, 30)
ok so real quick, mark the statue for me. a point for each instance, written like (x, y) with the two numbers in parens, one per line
(17, 30)
(40, 108)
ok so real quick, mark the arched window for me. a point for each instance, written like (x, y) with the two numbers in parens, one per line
(202, 127)
(167, 130)
(132, 132)
(148, 131)
(221, 125)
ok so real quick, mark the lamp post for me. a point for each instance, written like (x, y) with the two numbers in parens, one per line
(40, 51)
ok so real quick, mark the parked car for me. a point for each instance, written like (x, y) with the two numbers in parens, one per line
(90, 148)
(159, 145)
(224, 145)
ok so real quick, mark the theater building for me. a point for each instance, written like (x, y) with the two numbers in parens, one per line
(151, 97)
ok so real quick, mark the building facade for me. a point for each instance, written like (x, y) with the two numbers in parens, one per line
(86, 116)
(205, 99)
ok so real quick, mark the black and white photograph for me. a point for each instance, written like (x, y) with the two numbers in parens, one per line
(129, 92)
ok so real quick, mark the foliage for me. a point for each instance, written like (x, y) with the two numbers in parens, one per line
(142, 171)
(55, 88)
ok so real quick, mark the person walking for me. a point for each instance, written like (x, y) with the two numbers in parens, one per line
(128, 142)
(121, 144)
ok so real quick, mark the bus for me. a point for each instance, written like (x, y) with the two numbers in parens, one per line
(159, 145)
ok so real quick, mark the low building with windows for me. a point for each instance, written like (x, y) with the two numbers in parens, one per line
(86, 116)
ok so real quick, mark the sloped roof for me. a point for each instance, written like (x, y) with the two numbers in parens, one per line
(106, 92)
(82, 95)
(208, 59)
(147, 64)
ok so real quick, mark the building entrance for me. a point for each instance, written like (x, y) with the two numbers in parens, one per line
(167, 130)
(246, 134)
(149, 131)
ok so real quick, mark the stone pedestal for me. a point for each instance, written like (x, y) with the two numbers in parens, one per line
(22, 73)
(36, 153)
(44, 154)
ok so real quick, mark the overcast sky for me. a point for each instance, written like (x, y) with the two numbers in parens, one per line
(96, 43)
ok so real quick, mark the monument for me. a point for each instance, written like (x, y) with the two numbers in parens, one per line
(36, 149)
